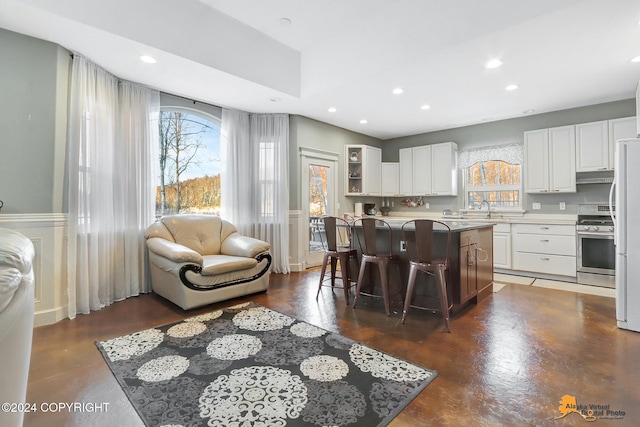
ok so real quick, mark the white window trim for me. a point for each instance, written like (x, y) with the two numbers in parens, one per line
(508, 187)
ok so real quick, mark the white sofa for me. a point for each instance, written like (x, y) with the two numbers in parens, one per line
(16, 321)
(197, 260)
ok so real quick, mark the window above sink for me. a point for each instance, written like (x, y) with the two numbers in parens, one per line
(492, 177)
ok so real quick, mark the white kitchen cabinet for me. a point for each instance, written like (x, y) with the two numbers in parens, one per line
(638, 109)
(536, 161)
(434, 170)
(620, 129)
(550, 161)
(363, 170)
(595, 142)
(390, 179)
(444, 169)
(544, 249)
(592, 146)
(406, 172)
(422, 170)
(502, 246)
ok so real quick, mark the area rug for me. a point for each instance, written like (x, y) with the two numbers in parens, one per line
(248, 365)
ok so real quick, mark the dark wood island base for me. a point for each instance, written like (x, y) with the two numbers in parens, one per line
(470, 273)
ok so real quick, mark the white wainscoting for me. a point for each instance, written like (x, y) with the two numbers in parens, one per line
(297, 226)
(48, 234)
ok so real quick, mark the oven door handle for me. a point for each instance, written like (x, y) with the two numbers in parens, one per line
(597, 235)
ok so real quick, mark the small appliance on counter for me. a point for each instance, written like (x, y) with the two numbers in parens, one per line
(370, 208)
(358, 210)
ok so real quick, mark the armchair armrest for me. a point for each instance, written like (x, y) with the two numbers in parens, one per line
(173, 251)
(243, 246)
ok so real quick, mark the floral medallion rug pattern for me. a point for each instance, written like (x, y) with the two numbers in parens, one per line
(248, 365)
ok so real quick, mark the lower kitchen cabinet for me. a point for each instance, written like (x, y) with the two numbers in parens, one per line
(468, 265)
(544, 249)
(502, 246)
(476, 264)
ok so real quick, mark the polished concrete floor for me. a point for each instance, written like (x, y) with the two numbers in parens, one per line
(508, 361)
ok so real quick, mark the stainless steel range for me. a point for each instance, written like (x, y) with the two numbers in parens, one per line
(596, 255)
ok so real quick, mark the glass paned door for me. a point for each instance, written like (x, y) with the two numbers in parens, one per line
(318, 205)
(318, 200)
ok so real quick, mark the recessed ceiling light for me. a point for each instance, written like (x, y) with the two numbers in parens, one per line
(284, 21)
(148, 59)
(275, 99)
(332, 109)
(636, 59)
(364, 121)
(494, 63)
(425, 107)
(511, 87)
(398, 91)
(528, 111)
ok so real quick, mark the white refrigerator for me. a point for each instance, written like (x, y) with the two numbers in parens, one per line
(626, 186)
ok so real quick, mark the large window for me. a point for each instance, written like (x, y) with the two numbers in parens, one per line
(495, 181)
(189, 180)
(492, 174)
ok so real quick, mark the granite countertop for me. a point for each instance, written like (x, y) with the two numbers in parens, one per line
(496, 218)
(456, 225)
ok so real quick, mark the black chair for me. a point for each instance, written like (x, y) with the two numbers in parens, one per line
(419, 237)
(336, 241)
(371, 230)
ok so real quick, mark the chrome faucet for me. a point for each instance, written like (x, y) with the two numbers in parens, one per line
(488, 207)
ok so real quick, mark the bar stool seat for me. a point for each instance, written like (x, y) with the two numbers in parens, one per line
(337, 248)
(372, 228)
(420, 248)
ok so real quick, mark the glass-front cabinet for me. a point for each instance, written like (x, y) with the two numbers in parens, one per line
(363, 169)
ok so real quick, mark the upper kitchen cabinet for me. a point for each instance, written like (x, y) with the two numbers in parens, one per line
(406, 172)
(363, 169)
(550, 160)
(429, 170)
(592, 146)
(620, 129)
(422, 173)
(390, 175)
(595, 142)
(444, 169)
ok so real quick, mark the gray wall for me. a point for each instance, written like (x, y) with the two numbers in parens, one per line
(308, 133)
(512, 130)
(33, 114)
(34, 85)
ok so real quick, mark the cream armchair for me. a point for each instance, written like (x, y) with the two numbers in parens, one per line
(197, 260)
(16, 321)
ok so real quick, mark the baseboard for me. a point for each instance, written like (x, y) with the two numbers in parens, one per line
(51, 316)
(296, 267)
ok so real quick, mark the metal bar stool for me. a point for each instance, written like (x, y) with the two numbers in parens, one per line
(372, 230)
(419, 237)
(337, 247)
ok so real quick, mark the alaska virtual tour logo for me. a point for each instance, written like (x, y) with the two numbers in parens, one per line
(590, 411)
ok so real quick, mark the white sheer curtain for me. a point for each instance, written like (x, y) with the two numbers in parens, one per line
(112, 138)
(255, 179)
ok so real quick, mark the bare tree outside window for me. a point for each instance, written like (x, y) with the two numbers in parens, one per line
(189, 164)
(318, 191)
(495, 181)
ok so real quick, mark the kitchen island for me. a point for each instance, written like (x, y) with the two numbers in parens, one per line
(470, 273)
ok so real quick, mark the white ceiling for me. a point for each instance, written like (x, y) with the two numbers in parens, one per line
(351, 54)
